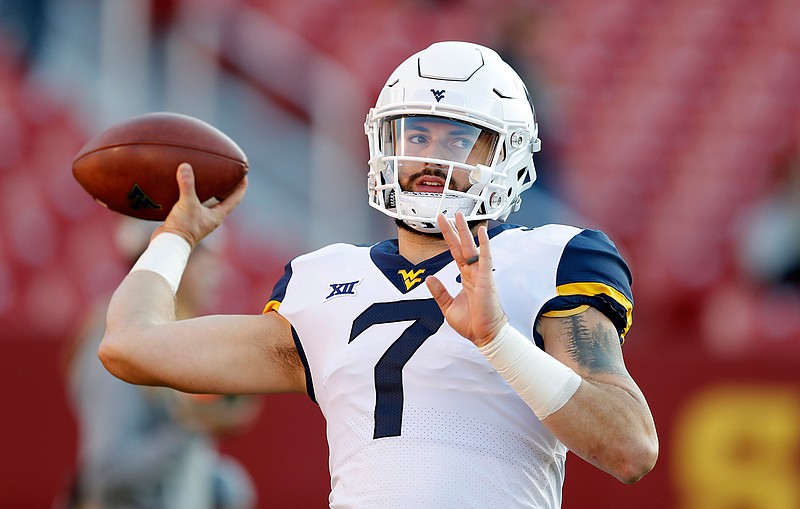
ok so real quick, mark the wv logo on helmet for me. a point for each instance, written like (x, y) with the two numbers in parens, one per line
(438, 94)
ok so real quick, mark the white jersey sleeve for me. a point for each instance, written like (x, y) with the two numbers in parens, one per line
(416, 417)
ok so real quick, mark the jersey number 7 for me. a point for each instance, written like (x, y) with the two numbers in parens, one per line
(427, 318)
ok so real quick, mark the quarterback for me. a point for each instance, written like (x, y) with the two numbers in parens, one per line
(456, 364)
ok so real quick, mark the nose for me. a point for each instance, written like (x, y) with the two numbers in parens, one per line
(434, 151)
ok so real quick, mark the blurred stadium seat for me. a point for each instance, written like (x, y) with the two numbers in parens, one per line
(682, 118)
(678, 108)
(664, 123)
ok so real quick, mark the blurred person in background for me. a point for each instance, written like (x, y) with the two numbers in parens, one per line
(22, 27)
(153, 447)
(769, 249)
(450, 374)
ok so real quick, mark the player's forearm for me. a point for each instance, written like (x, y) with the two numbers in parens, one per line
(601, 416)
(130, 346)
(607, 421)
(610, 426)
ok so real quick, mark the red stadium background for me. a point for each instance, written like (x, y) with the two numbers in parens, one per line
(673, 126)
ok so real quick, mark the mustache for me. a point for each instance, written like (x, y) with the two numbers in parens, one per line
(429, 172)
(432, 171)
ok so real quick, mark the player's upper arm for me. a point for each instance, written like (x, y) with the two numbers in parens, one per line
(228, 354)
(587, 342)
(591, 273)
(586, 322)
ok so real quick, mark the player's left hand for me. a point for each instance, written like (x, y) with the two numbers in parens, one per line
(475, 312)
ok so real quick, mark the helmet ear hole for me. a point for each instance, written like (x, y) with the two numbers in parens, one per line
(524, 178)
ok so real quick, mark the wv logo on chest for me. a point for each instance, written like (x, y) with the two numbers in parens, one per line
(411, 277)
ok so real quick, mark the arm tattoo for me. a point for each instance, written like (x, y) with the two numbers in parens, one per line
(593, 347)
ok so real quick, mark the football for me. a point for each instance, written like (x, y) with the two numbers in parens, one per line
(130, 167)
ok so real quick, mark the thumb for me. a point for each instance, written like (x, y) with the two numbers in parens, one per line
(186, 181)
(180, 218)
(439, 293)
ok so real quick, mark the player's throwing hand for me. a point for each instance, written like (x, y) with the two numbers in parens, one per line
(191, 219)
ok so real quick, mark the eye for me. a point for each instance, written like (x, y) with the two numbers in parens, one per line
(462, 143)
(417, 139)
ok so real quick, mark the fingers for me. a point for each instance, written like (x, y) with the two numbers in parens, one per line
(233, 199)
(446, 228)
(190, 218)
(459, 240)
(468, 248)
(439, 293)
(485, 252)
(186, 185)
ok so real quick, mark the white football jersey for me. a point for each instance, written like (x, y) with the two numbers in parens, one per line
(416, 417)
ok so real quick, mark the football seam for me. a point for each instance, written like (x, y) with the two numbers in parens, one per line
(245, 162)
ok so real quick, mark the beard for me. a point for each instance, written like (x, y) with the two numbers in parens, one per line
(429, 235)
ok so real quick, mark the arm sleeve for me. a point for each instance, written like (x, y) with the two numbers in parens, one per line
(591, 272)
(274, 304)
(279, 290)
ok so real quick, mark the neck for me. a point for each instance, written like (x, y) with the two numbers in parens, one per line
(417, 247)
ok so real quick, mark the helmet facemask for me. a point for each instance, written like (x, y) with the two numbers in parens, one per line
(430, 165)
(455, 143)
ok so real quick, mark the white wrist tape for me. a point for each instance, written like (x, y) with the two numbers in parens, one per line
(166, 255)
(543, 382)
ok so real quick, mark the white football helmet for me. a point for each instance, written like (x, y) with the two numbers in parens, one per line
(454, 129)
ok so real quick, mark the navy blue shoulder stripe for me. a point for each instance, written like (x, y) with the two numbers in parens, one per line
(279, 290)
(592, 256)
(591, 271)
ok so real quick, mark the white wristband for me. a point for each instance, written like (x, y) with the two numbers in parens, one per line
(543, 382)
(166, 255)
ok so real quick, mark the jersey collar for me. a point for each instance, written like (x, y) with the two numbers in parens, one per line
(404, 275)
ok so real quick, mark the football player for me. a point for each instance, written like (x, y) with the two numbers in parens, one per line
(456, 364)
